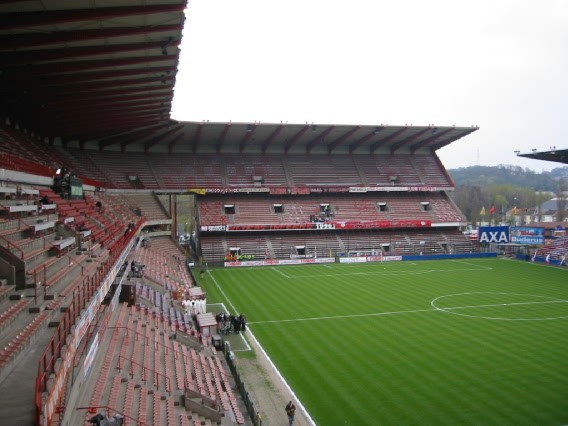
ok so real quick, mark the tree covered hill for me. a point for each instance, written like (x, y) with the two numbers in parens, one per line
(505, 187)
(485, 176)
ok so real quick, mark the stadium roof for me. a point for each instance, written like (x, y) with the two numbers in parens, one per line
(101, 73)
(317, 138)
(556, 155)
(88, 68)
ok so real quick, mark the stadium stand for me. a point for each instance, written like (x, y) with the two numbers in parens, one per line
(258, 212)
(160, 171)
(94, 280)
(557, 249)
(262, 209)
(283, 207)
(143, 349)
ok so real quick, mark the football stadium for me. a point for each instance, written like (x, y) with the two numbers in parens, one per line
(160, 272)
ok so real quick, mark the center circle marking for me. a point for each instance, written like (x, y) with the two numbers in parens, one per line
(455, 310)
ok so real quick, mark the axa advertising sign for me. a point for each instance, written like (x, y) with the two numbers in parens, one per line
(494, 234)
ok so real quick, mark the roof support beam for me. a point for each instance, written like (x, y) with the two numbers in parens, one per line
(271, 137)
(435, 135)
(89, 134)
(295, 138)
(386, 140)
(113, 108)
(71, 114)
(395, 146)
(64, 80)
(442, 143)
(178, 138)
(135, 134)
(334, 144)
(149, 134)
(104, 101)
(76, 89)
(42, 70)
(18, 20)
(164, 136)
(319, 138)
(62, 122)
(109, 123)
(364, 139)
(248, 134)
(110, 96)
(23, 57)
(222, 137)
(93, 131)
(24, 40)
(196, 138)
(93, 94)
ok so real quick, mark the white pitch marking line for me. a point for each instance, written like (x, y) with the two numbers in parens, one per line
(502, 304)
(481, 267)
(433, 303)
(224, 309)
(248, 348)
(280, 272)
(342, 316)
(283, 380)
(402, 312)
(427, 271)
(222, 292)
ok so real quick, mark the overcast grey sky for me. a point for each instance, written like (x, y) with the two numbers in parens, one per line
(499, 64)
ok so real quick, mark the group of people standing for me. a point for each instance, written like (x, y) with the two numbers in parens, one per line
(228, 323)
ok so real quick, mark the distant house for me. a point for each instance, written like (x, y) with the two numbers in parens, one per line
(548, 212)
(519, 216)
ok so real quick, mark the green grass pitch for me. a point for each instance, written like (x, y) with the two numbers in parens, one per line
(449, 342)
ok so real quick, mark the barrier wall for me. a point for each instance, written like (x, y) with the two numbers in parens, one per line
(450, 256)
(356, 259)
(540, 259)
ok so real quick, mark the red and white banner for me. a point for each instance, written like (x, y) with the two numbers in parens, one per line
(321, 226)
(422, 188)
(354, 259)
(276, 262)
